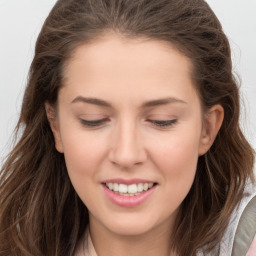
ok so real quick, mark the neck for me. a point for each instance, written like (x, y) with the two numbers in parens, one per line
(151, 243)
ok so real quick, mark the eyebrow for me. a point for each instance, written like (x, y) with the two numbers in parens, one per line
(93, 101)
(147, 104)
(164, 101)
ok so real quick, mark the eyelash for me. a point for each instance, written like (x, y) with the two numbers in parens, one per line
(94, 123)
(163, 123)
(158, 123)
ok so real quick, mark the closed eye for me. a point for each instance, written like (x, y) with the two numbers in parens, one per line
(100, 122)
(163, 123)
(93, 123)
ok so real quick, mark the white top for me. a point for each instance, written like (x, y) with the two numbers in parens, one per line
(86, 248)
(227, 242)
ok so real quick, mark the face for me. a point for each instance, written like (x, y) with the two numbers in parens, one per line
(130, 125)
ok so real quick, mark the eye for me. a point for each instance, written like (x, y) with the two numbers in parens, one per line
(93, 123)
(163, 123)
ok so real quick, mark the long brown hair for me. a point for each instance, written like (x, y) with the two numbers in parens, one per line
(40, 212)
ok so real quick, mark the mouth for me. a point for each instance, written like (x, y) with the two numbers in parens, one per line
(131, 190)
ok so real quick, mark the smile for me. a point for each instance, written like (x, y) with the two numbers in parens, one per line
(129, 190)
(128, 195)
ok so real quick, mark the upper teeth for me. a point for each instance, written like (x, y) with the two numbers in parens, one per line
(131, 189)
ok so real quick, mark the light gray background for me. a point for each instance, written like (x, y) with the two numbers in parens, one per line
(20, 23)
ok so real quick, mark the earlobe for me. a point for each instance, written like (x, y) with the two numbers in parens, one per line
(52, 119)
(212, 123)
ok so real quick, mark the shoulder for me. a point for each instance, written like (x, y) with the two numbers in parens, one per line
(240, 234)
(242, 227)
(246, 229)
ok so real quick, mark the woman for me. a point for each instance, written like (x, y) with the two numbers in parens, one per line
(130, 139)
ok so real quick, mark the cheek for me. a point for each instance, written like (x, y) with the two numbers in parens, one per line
(83, 159)
(83, 153)
(177, 159)
(178, 150)
(177, 163)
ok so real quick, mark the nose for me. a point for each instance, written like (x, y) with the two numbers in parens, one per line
(127, 149)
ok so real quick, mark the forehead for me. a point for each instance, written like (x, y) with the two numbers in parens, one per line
(129, 67)
(145, 51)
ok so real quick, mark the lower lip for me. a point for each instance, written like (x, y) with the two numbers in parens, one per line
(128, 201)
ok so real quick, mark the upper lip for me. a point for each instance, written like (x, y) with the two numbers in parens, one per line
(127, 182)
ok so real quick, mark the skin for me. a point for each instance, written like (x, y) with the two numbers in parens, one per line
(127, 73)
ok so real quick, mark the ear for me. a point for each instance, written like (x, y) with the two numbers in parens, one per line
(212, 122)
(53, 121)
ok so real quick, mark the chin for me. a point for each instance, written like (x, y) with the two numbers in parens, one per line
(130, 226)
(130, 230)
